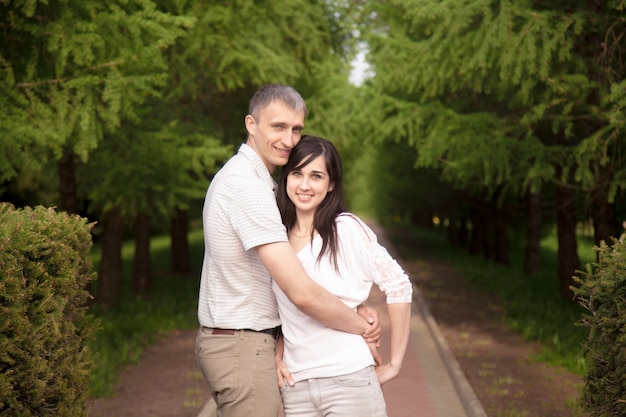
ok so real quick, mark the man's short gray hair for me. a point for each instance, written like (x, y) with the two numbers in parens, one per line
(276, 92)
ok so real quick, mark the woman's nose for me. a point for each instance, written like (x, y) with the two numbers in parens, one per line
(304, 185)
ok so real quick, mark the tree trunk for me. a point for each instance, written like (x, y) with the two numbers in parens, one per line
(110, 274)
(602, 212)
(67, 183)
(453, 230)
(478, 238)
(532, 257)
(423, 216)
(489, 215)
(142, 263)
(569, 262)
(180, 242)
(603, 215)
(500, 238)
(463, 232)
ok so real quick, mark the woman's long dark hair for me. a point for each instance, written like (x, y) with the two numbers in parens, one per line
(309, 148)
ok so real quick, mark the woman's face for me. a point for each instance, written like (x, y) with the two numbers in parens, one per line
(307, 187)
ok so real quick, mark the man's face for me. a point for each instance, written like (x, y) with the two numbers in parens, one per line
(275, 131)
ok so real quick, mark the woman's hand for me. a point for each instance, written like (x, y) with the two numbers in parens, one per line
(378, 359)
(283, 374)
(386, 373)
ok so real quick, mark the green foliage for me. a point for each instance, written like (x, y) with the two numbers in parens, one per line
(164, 159)
(498, 92)
(73, 69)
(236, 47)
(45, 328)
(150, 171)
(149, 94)
(602, 292)
(244, 42)
(490, 47)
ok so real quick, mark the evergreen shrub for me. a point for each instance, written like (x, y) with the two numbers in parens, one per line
(44, 323)
(601, 291)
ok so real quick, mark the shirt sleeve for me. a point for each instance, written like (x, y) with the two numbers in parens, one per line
(255, 216)
(389, 276)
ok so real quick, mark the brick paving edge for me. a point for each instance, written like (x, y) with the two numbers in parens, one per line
(468, 398)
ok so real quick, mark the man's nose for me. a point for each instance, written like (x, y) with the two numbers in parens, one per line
(295, 136)
(290, 140)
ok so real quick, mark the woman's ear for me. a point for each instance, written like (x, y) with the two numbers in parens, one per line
(331, 187)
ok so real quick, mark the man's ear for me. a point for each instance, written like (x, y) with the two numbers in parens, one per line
(250, 123)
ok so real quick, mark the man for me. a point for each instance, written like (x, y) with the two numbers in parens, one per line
(245, 245)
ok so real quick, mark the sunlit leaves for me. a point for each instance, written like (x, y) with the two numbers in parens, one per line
(73, 69)
(500, 92)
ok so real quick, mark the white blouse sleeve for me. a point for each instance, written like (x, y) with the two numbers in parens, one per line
(388, 274)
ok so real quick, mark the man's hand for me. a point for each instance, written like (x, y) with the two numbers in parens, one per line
(374, 333)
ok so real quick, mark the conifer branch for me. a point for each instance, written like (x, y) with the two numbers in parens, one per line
(65, 79)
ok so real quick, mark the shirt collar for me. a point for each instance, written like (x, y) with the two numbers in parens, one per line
(257, 164)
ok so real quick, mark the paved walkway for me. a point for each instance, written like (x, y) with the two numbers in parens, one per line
(431, 383)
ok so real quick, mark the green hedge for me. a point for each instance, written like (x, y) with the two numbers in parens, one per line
(602, 291)
(44, 324)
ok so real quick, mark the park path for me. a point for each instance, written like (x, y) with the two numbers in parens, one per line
(167, 382)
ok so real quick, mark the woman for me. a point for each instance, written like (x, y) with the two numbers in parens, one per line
(329, 371)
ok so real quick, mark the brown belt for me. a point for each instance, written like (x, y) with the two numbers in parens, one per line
(272, 332)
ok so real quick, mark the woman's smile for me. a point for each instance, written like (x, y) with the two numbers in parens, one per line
(307, 186)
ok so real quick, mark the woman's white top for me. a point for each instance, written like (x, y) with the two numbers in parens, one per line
(313, 350)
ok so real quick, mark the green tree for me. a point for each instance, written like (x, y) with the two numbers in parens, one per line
(159, 163)
(137, 176)
(506, 96)
(71, 70)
